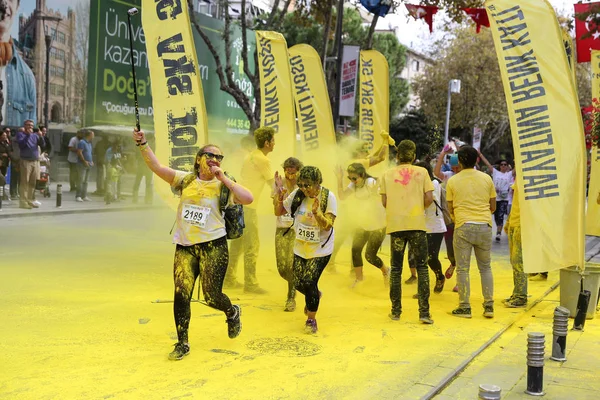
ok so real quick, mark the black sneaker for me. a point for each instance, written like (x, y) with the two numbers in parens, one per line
(462, 312)
(439, 285)
(181, 350)
(394, 316)
(411, 280)
(498, 236)
(515, 303)
(426, 319)
(234, 324)
(488, 311)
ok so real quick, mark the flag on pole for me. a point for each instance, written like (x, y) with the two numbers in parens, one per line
(423, 12)
(547, 132)
(587, 34)
(378, 7)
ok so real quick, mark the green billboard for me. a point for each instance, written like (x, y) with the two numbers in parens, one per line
(110, 81)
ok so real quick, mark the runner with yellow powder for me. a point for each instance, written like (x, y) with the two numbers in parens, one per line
(314, 209)
(200, 236)
(369, 217)
(285, 237)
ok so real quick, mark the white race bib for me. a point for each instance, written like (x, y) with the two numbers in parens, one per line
(307, 233)
(195, 215)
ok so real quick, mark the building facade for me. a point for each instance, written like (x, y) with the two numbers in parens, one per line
(415, 66)
(64, 103)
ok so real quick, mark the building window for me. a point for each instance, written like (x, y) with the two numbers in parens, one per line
(415, 65)
(57, 71)
(57, 90)
(61, 38)
(57, 54)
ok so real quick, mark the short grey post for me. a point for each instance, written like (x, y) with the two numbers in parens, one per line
(535, 364)
(559, 330)
(1, 196)
(489, 392)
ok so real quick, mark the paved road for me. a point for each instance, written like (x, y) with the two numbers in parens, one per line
(78, 321)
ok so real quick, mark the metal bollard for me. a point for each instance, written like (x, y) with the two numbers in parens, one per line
(1, 196)
(535, 364)
(59, 195)
(489, 392)
(582, 305)
(559, 330)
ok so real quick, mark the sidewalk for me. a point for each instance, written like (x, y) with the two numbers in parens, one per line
(70, 206)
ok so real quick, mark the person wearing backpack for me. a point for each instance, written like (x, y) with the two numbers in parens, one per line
(370, 220)
(313, 209)
(406, 191)
(284, 237)
(200, 236)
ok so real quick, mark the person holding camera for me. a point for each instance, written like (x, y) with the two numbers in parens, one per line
(200, 236)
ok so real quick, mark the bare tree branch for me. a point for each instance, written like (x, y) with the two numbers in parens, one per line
(277, 23)
(273, 12)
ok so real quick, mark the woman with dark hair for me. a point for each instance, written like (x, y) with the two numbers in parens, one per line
(284, 237)
(313, 209)
(200, 236)
(370, 219)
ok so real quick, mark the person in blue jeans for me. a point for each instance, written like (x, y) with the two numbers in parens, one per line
(84, 165)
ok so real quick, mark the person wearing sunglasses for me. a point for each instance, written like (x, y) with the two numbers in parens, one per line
(313, 245)
(256, 173)
(406, 191)
(200, 236)
(370, 219)
(503, 180)
(284, 240)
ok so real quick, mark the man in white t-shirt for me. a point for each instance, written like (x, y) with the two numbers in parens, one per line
(73, 158)
(503, 180)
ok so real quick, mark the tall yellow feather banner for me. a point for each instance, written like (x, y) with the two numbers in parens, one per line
(277, 100)
(595, 63)
(374, 101)
(312, 104)
(180, 120)
(547, 132)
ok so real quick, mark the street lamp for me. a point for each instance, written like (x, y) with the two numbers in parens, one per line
(453, 87)
(48, 38)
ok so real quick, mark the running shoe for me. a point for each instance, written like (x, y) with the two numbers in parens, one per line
(394, 316)
(411, 280)
(79, 199)
(311, 326)
(462, 312)
(232, 285)
(234, 324)
(87, 199)
(36, 203)
(498, 236)
(488, 311)
(538, 277)
(290, 305)
(254, 290)
(181, 350)
(357, 283)
(426, 319)
(439, 285)
(450, 271)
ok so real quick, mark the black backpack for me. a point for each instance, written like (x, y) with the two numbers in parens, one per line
(297, 200)
(232, 213)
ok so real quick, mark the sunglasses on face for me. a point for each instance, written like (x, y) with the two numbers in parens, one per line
(210, 156)
(352, 178)
(304, 185)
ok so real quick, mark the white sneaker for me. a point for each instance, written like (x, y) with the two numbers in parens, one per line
(79, 199)
(87, 199)
(37, 203)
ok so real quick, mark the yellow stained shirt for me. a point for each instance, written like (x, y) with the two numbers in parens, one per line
(404, 187)
(514, 219)
(470, 192)
(256, 171)
(199, 217)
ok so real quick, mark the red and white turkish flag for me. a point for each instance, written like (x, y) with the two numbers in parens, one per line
(479, 16)
(423, 12)
(587, 33)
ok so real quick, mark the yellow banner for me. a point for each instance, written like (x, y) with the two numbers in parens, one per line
(312, 105)
(547, 132)
(595, 63)
(374, 101)
(180, 120)
(592, 222)
(277, 100)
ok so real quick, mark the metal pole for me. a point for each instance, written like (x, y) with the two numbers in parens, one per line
(446, 127)
(47, 85)
(340, 48)
(582, 306)
(559, 339)
(59, 195)
(535, 364)
(130, 12)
